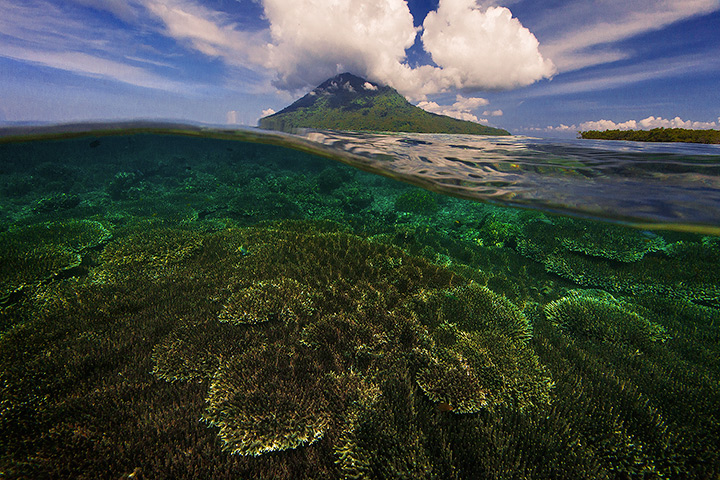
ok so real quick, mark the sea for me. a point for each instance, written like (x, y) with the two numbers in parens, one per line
(189, 301)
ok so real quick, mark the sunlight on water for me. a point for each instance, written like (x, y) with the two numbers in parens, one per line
(649, 186)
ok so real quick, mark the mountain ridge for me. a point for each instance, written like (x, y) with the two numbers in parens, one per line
(349, 102)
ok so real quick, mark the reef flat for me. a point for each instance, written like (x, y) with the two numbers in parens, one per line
(186, 307)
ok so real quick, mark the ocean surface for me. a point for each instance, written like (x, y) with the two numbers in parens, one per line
(183, 301)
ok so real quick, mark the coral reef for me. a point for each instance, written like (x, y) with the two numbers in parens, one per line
(206, 339)
(271, 398)
(417, 201)
(624, 260)
(34, 253)
(598, 315)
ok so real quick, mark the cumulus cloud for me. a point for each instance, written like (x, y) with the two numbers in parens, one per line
(493, 113)
(312, 40)
(648, 124)
(267, 112)
(308, 41)
(609, 125)
(482, 49)
(563, 128)
(461, 109)
(644, 124)
(297, 44)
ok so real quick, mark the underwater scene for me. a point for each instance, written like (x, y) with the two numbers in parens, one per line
(244, 305)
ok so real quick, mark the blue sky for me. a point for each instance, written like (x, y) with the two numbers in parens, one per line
(545, 68)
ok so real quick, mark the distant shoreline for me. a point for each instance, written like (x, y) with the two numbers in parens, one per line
(655, 135)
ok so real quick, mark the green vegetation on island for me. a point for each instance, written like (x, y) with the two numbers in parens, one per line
(655, 135)
(347, 102)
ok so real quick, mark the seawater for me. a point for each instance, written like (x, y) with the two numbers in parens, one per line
(192, 302)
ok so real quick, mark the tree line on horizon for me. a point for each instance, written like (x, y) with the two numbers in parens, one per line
(655, 135)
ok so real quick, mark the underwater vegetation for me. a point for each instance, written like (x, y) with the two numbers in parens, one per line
(263, 315)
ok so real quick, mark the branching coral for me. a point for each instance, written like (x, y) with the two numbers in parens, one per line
(482, 356)
(617, 259)
(34, 253)
(597, 314)
(622, 244)
(314, 319)
(282, 300)
(269, 399)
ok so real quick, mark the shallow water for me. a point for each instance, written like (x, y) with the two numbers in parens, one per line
(181, 301)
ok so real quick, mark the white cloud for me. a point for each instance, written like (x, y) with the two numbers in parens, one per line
(369, 86)
(482, 49)
(469, 103)
(208, 31)
(267, 112)
(231, 117)
(447, 110)
(677, 122)
(313, 40)
(473, 48)
(649, 123)
(563, 128)
(609, 125)
(493, 113)
(461, 109)
(302, 43)
(644, 124)
(585, 41)
(92, 66)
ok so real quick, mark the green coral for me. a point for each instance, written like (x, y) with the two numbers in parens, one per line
(34, 253)
(598, 315)
(417, 201)
(544, 236)
(482, 356)
(472, 307)
(268, 399)
(624, 260)
(355, 307)
(283, 300)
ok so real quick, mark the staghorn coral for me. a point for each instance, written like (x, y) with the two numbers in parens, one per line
(482, 357)
(192, 350)
(152, 253)
(77, 399)
(348, 302)
(482, 369)
(618, 261)
(34, 253)
(543, 236)
(597, 314)
(282, 300)
(269, 399)
(472, 307)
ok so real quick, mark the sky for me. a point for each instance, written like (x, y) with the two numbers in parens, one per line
(542, 68)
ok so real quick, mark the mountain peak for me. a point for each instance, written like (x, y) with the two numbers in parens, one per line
(349, 102)
(348, 82)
